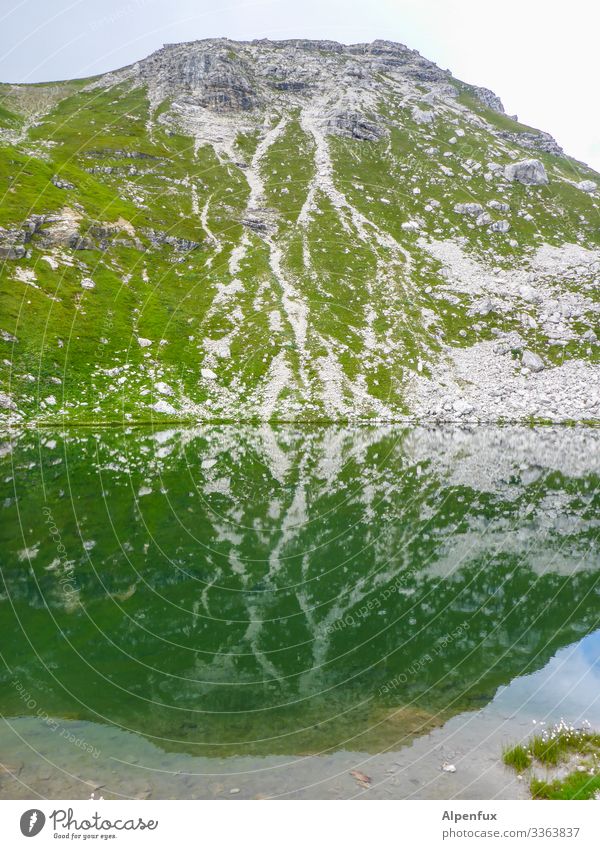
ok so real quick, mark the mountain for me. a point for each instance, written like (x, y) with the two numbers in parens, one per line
(295, 230)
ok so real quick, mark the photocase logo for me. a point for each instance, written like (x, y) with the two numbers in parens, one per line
(32, 822)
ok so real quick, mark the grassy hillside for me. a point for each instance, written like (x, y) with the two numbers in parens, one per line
(285, 273)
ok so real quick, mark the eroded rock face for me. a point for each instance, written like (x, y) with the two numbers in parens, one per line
(159, 238)
(530, 172)
(543, 142)
(228, 76)
(219, 79)
(63, 229)
(14, 241)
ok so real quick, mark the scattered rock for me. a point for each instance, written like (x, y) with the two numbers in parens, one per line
(61, 184)
(485, 307)
(411, 226)
(511, 341)
(528, 293)
(355, 126)
(159, 238)
(462, 407)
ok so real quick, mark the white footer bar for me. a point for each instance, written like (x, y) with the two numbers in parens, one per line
(298, 825)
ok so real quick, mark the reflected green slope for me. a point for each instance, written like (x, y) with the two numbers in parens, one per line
(269, 591)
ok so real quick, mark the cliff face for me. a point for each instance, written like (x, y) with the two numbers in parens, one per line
(292, 230)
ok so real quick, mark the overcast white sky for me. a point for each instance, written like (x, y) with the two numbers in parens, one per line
(540, 56)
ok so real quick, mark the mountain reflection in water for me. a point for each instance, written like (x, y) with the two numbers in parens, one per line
(272, 590)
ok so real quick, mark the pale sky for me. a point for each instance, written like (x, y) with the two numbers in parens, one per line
(540, 56)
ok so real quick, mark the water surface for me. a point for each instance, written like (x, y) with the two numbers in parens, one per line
(262, 609)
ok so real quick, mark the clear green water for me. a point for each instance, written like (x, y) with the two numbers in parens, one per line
(262, 592)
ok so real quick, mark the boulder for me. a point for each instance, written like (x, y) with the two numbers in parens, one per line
(421, 116)
(12, 251)
(462, 407)
(587, 186)
(164, 407)
(530, 172)
(502, 226)
(532, 361)
(6, 402)
(468, 208)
